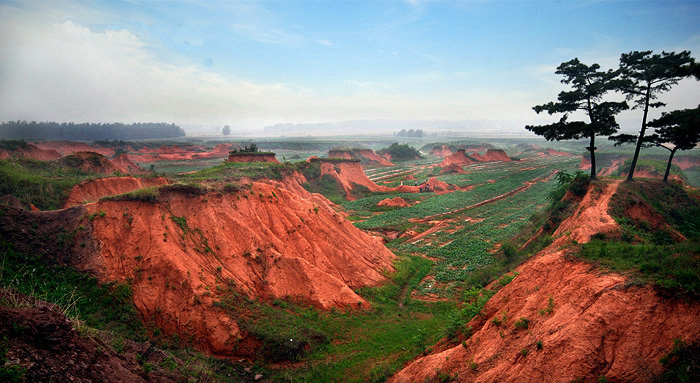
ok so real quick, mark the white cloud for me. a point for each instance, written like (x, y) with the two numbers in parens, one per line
(63, 71)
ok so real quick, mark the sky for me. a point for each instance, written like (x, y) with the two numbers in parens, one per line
(249, 64)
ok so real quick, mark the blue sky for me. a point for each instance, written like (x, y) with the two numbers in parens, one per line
(255, 63)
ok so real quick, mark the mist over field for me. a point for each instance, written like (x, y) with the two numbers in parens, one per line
(350, 66)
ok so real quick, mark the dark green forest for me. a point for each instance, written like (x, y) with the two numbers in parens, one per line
(16, 130)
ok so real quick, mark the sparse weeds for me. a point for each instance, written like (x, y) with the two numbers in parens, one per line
(79, 296)
(522, 324)
(550, 306)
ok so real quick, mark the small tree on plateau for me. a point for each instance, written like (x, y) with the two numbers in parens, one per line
(680, 128)
(589, 86)
(226, 130)
(645, 76)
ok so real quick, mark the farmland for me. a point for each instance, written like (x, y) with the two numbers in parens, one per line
(464, 228)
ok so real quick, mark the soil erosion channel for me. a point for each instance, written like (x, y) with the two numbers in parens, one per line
(560, 318)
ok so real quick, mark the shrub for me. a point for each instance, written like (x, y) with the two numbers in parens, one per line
(522, 323)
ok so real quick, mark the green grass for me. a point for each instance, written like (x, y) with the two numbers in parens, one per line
(46, 185)
(654, 166)
(358, 346)
(668, 200)
(655, 255)
(328, 186)
(674, 268)
(101, 306)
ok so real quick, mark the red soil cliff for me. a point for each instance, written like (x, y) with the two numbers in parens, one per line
(90, 162)
(598, 325)
(92, 190)
(491, 155)
(68, 147)
(459, 159)
(350, 172)
(253, 157)
(32, 151)
(366, 156)
(182, 253)
(441, 150)
(127, 166)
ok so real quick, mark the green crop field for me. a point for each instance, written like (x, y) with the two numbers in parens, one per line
(463, 233)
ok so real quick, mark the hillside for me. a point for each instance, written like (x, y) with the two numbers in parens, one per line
(562, 319)
(267, 263)
(181, 249)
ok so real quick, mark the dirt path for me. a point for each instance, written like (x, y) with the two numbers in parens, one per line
(591, 216)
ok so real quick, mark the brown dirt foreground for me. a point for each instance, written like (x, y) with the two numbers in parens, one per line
(598, 325)
(183, 253)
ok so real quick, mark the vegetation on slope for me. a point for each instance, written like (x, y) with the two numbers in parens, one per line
(653, 166)
(44, 184)
(659, 240)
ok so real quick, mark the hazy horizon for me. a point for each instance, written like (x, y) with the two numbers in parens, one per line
(255, 64)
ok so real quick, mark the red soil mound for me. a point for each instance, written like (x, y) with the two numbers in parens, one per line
(68, 147)
(552, 152)
(89, 162)
(595, 326)
(441, 150)
(176, 153)
(33, 152)
(452, 169)
(182, 253)
(348, 173)
(126, 165)
(437, 185)
(686, 162)
(219, 151)
(251, 157)
(344, 154)
(459, 159)
(175, 149)
(445, 150)
(650, 173)
(92, 190)
(491, 155)
(294, 183)
(393, 202)
(369, 156)
(366, 156)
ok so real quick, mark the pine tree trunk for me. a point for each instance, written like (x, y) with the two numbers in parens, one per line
(591, 149)
(640, 139)
(668, 166)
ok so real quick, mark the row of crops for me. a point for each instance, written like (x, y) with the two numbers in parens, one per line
(462, 241)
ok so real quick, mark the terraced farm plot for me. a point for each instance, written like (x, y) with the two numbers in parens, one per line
(462, 230)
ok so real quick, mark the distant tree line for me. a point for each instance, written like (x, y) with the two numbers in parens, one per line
(641, 78)
(417, 133)
(88, 132)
